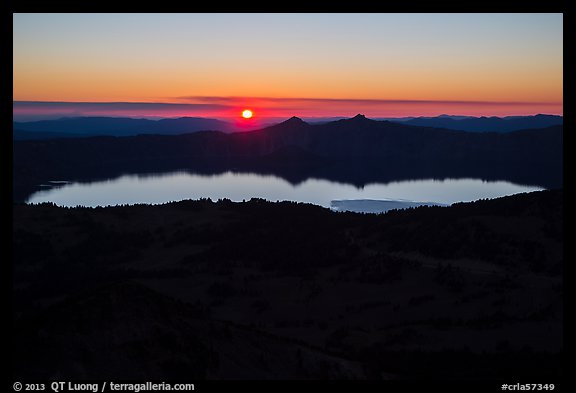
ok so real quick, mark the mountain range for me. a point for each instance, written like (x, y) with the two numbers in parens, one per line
(117, 126)
(485, 124)
(74, 127)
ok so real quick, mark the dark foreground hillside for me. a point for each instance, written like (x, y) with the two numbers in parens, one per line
(263, 290)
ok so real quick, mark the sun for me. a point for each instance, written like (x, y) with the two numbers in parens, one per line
(247, 113)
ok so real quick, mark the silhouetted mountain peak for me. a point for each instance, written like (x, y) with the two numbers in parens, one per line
(294, 120)
(293, 124)
(360, 119)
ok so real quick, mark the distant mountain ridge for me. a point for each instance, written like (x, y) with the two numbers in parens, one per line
(485, 124)
(74, 127)
(115, 126)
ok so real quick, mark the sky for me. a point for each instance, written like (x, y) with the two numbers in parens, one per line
(283, 65)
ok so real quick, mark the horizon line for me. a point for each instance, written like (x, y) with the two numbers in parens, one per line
(140, 117)
(274, 107)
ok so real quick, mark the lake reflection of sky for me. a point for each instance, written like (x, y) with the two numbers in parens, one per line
(131, 189)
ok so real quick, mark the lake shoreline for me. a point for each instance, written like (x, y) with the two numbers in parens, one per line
(175, 186)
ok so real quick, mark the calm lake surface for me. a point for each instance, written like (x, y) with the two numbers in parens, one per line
(162, 188)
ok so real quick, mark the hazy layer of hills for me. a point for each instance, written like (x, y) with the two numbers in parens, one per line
(259, 290)
(74, 127)
(485, 124)
(356, 151)
(91, 126)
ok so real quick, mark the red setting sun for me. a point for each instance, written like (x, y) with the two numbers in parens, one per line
(247, 113)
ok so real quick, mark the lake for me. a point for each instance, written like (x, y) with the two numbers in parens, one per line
(162, 188)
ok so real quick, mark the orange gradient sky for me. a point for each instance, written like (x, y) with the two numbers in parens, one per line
(279, 65)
